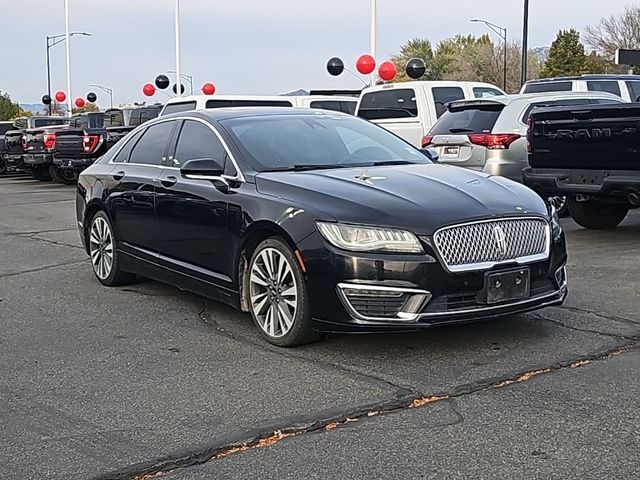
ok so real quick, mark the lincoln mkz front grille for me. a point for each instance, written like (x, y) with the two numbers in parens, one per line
(481, 245)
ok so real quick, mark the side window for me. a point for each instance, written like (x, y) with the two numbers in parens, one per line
(484, 92)
(326, 105)
(125, 152)
(444, 95)
(544, 87)
(197, 140)
(151, 147)
(634, 90)
(393, 103)
(348, 107)
(179, 107)
(604, 86)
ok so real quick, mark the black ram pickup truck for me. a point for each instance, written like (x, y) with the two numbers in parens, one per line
(91, 135)
(40, 143)
(590, 154)
(15, 139)
(4, 128)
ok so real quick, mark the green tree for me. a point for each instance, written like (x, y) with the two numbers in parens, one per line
(566, 55)
(415, 48)
(88, 107)
(8, 109)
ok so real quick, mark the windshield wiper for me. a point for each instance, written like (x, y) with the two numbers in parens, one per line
(461, 130)
(392, 162)
(307, 166)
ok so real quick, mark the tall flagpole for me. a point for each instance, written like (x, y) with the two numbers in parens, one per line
(177, 32)
(372, 44)
(68, 47)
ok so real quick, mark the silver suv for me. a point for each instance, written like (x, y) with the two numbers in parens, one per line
(489, 134)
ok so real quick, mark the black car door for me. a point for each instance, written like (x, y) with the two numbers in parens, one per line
(191, 214)
(132, 198)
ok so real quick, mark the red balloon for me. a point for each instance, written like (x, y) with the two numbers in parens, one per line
(387, 71)
(79, 102)
(208, 89)
(60, 96)
(366, 64)
(149, 90)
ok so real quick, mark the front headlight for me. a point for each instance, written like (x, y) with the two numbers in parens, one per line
(369, 239)
(556, 229)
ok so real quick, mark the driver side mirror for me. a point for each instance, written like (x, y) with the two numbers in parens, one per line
(202, 167)
(431, 154)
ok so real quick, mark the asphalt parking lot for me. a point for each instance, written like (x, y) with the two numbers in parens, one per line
(128, 382)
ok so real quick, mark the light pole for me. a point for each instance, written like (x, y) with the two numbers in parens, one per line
(525, 43)
(53, 40)
(107, 90)
(502, 31)
(177, 34)
(187, 77)
(373, 33)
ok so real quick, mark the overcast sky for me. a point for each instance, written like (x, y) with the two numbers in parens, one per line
(244, 46)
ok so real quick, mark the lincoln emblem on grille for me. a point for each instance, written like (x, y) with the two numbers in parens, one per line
(501, 240)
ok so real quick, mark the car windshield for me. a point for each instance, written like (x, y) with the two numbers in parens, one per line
(307, 142)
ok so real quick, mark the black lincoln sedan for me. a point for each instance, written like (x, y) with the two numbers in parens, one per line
(314, 222)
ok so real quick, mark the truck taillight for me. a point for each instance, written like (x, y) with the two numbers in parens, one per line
(49, 140)
(529, 135)
(494, 141)
(426, 140)
(90, 143)
(25, 146)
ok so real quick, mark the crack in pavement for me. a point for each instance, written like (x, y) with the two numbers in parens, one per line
(288, 353)
(39, 269)
(596, 314)
(52, 242)
(27, 233)
(330, 420)
(585, 330)
(35, 203)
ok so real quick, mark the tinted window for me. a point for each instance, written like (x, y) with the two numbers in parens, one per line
(396, 103)
(247, 103)
(97, 121)
(444, 95)
(281, 142)
(196, 140)
(548, 87)
(554, 103)
(43, 122)
(603, 86)
(634, 90)
(114, 118)
(141, 115)
(150, 148)
(348, 107)
(5, 127)
(326, 105)
(179, 107)
(80, 122)
(483, 92)
(604, 101)
(468, 119)
(123, 155)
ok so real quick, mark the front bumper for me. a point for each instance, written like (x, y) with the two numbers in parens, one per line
(37, 159)
(601, 183)
(78, 164)
(360, 292)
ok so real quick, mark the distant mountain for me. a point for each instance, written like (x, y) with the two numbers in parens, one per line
(540, 52)
(32, 107)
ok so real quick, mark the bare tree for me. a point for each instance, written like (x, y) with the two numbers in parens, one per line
(617, 31)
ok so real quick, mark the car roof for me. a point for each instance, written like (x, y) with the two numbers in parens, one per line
(535, 97)
(246, 112)
(587, 76)
(427, 83)
(192, 98)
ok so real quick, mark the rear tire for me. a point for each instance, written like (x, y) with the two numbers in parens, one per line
(278, 298)
(3, 167)
(40, 174)
(66, 176)
(596, 216)
(103, 252)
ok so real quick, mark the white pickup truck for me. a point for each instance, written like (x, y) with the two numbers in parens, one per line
(409, 109)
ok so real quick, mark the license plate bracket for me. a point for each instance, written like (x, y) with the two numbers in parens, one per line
(451, 151)
(507, 286)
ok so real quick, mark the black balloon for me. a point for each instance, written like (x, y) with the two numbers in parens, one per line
(162, 82)
(92, 97)
(46, 99)
(416, 68)
(175, 89)
(335, 66)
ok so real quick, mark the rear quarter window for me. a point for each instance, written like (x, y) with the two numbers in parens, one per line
(609, 86)
(179, 107)
(472, 119)
(395, 103)
(444, 95)
(544, 87)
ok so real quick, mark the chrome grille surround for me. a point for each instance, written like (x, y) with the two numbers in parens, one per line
(482, 245)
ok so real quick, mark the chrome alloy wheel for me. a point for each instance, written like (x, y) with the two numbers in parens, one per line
(101, 248)
(274, 292)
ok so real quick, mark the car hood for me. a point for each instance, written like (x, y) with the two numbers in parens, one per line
(421, 198)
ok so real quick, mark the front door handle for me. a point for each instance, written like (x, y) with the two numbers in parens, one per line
(118, 175)
(170, 181)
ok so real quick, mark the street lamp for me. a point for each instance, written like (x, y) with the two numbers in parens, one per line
(107, 90)
(184, 76)
(525, 43)
(503, 34)
(53, 40)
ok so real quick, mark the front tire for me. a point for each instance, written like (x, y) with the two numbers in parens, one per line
(104, 254)
(597, 216)
(561, 206)
(278, 298)
(3, 166)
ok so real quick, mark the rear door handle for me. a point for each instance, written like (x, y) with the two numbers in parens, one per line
(169, 181)
(118, 175)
